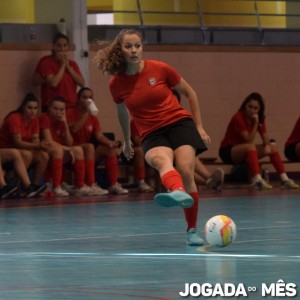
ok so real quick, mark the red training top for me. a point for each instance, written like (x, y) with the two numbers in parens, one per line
(56, 127)
(16, 124)
(67, 87)
(133, 130)
(236, 126)
(87, 131)
(148, 96)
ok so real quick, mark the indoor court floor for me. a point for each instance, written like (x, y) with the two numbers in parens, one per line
(127, 247)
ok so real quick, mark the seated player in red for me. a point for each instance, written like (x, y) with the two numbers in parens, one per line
(239, 143)
(20, 130)
(86, 132)
(139, 160)
(55, 129)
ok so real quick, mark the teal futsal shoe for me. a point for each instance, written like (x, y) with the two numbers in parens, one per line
(174, 198)
(193, 239)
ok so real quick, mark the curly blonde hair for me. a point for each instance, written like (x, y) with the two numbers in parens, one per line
(109, 58)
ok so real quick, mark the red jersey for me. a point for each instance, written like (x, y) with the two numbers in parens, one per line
(67, 87)
(16, 124)
(236, 126)
(148, 96)
(87, 131)
(294, 137)
(56, 127)
(133, 129)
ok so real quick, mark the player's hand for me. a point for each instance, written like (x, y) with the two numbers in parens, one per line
(205, 137)
(62, 117)
(45, 145)
(67, 61)
(61, 57)
(255, 118)
(128, 150)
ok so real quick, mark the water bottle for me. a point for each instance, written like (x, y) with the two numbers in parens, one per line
(62, 26)
(93, 108)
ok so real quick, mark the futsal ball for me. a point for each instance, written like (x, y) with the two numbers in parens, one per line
(220, 231)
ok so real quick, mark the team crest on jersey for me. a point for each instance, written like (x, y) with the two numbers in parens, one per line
(152, 81)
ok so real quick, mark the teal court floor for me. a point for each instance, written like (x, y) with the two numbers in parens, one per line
(127, 247)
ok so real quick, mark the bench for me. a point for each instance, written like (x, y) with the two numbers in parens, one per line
(126, 170)
(293, 168)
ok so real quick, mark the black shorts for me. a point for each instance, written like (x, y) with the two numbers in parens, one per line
(225, 154)
(290, 152)
(182, 132)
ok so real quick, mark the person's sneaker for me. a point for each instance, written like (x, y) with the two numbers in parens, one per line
(174, 198)
(96, 190)
(7, 190)
(144, 187)
(34, 190)
(117, 189)
(48, 191)
(83, 191)
(262, 185)
(68, 187)
(193, 239)
(216, 180)
(60, 192)
(289, 184)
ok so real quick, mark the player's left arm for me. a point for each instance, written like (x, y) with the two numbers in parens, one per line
(185, 89)
(124, 120)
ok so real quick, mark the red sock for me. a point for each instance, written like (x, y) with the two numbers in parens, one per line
(191, 214)
(277, 162)
(90, 171)
(79, 170)
(172, 181)
(47, 175)
(253, 163)
(111, 166)
(140, 173)
(56, 171)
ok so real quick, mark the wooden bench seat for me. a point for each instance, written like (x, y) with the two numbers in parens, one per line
(213, 162)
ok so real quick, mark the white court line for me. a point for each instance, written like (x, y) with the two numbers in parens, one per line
(172, 256)
(57, 240)
(209, 255)
(90, 237)
(139, 235)
(288, 225)
(149, 255)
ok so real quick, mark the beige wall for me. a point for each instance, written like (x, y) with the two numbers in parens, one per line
(221, 76)
(16, 68)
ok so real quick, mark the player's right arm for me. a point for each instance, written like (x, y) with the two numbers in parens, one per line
(124, 121)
